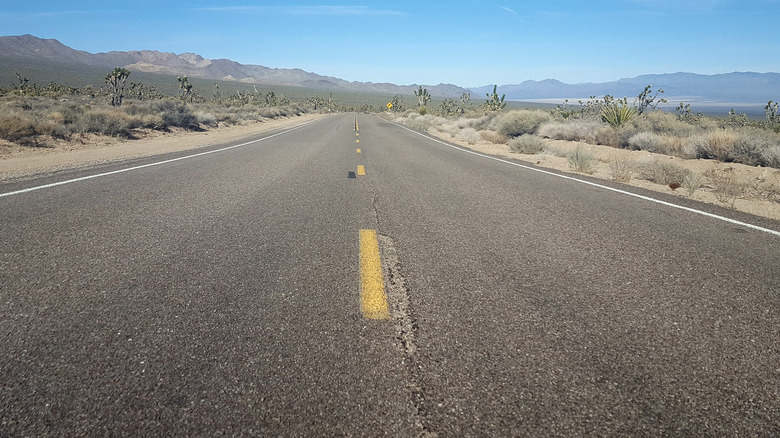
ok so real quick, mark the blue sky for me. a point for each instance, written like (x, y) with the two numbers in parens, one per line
(467, 42)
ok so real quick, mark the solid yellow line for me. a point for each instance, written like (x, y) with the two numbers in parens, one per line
(361, 170)
(373, 300)
(358, 150)
(356, 124)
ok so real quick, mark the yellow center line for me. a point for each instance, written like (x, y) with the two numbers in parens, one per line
(373, 300)
(357, 141)
(359, 151)
(361, 170)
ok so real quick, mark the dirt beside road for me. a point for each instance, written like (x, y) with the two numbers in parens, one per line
(757, 188)
(18, 162)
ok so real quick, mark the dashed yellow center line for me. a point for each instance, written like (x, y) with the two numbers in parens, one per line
(373, 299)
(361, 170)
(359, 151)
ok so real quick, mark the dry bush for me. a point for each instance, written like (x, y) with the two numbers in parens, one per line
(112, 123)
(718, 145)
(663, 173)
(663, 123)
(571, 130)
(622, 168)
(519, 122)
(771, 156)
(469, 135)
(581, 161)
(527, 144)
(647, 141)
(692, 182)
(608, 137)
(15, 129)
(725, 185)
(493, 137)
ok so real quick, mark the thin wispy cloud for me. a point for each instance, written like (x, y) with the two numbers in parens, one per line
(508, 10)
(333, 10)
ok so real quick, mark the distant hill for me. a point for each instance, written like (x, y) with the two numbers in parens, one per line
(730, 88)
(739, 90)
(37, 50)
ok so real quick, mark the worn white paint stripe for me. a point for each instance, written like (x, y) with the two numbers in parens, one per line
(624, 192)
(114, 172)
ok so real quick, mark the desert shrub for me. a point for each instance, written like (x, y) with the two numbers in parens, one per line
(608, 137)
(175, 114)
(571, 130)
(519, 122)
(622, 168)
(771, 156)
(527, 144)
(469, 135)
(111, 123)
(692, 182)
(15, 129)
(751, 148)
(581, 160)
(493, 137)
(206, 119)
(725, 185)
(663, 173)
(647, 141)
(718, 145)
(663, 123)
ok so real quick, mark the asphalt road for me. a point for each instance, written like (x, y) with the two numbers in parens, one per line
(221, 294)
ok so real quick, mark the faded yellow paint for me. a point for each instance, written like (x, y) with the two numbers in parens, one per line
(361, 170)
(373, 299)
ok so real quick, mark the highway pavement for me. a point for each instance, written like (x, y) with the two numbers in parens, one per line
(351, 277)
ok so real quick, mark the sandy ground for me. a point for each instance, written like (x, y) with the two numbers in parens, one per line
(759, 184)
(18, 162)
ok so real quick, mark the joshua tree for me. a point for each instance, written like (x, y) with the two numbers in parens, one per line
(493, 102)
(116, 80)
(185, 88)
(422, 96)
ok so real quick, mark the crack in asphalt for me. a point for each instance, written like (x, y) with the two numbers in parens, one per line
(400, 302)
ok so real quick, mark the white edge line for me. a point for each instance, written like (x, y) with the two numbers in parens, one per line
(646, 198)
(113, 172)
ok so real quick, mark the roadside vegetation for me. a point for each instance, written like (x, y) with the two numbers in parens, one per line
(625, 125)
(39, 116)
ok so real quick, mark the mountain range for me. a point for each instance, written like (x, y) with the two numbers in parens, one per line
(738, 88)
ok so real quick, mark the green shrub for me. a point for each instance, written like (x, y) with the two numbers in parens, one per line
(617, 114)
(519, 122)
(527, 144)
